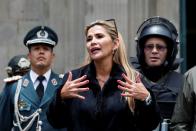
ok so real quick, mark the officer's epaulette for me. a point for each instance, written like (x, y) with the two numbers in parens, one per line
(12, 79)
(61, 76)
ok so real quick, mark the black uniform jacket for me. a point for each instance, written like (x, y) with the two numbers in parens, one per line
(102, 110)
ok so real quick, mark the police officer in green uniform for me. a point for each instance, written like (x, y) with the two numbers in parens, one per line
(25, 101)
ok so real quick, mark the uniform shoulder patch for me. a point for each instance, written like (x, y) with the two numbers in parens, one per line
(12, 79)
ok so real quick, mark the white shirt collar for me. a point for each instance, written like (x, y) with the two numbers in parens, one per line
(34, 75)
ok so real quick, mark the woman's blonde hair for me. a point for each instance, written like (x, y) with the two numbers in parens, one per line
(120, 55)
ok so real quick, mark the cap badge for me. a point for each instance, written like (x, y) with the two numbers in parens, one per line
(42, 34)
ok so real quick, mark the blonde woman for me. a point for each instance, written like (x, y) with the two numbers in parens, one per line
(106, 93)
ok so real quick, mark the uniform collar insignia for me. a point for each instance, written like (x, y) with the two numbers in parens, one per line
(54, 82)
(25, 82)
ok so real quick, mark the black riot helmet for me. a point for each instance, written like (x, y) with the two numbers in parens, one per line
(158, 27)
(18, 65)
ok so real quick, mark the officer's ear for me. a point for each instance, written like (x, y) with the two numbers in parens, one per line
(53, 54)
(28, 55)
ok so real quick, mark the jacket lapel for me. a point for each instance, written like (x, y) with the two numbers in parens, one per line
(52, 85)
(28, 90)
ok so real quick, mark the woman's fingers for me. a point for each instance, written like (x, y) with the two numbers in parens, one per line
(78, 96)
(69, 76)
(72, 87)
(80, 79)
(127, 79)
(79, 84)
(74, 93)
(75, 83)
(123, 88)
(132, 89)
(138, 79)
(76, 80)
(82, 89)
(126, 92)
(77, 90)
(125, 84)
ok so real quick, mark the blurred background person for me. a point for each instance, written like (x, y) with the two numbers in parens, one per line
(17, 67)
(184, 115)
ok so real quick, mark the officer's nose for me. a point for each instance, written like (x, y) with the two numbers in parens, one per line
(41, 50)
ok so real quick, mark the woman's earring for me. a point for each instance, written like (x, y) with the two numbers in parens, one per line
(114, 51)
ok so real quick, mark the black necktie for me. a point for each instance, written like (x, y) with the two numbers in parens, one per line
(40, 87)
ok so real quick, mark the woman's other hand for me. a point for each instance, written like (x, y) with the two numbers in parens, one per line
(133, 89)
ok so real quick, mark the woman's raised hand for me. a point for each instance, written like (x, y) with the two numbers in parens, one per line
(71, 88)
(133, 89)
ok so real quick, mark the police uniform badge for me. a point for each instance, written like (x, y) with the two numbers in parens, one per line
(22, 104)
(25, 83)
(54, 82)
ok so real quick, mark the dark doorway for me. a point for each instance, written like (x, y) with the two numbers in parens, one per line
(191, 33)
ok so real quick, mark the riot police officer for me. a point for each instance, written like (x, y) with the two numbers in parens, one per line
(157, 41)
(24, 102)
